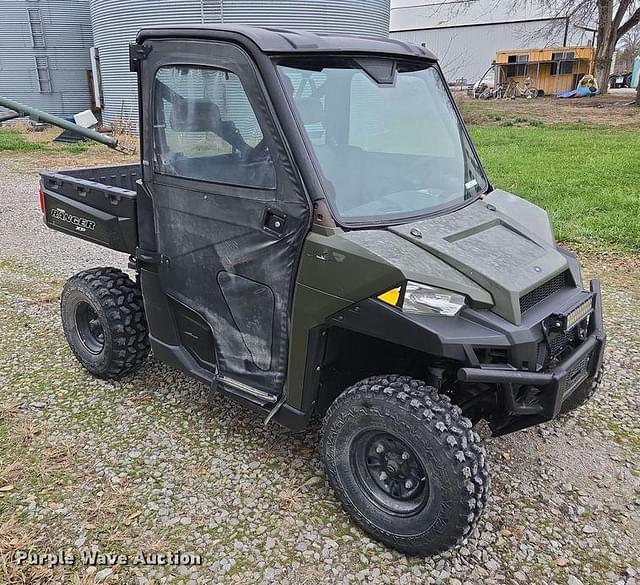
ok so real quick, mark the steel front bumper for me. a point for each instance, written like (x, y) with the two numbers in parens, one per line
(553, 387)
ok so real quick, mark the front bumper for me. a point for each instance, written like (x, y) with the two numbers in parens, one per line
(514, 386)
(551, 388)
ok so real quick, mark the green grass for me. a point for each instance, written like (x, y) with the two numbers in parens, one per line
(13, 140)
(76, 147)
(587, 179)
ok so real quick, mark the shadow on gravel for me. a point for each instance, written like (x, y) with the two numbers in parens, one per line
(151, 463)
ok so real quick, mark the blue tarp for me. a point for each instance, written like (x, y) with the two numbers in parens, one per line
(577, 92)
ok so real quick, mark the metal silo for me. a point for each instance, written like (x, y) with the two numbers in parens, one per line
(369, 17)
(116, 22)
(44, 54)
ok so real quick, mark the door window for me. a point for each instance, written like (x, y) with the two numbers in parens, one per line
(205, 129)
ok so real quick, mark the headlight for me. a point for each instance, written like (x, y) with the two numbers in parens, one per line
(420, 298)
(424, 299)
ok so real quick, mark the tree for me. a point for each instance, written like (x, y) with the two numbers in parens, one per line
(628, 50)
(615, 20)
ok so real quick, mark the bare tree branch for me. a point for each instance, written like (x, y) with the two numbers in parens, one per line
(623, 7)
(633, 21)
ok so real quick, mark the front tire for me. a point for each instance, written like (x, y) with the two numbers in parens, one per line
(104, 323)
(405, 464)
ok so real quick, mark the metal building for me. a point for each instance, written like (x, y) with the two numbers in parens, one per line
(116, 22)
(466, 35)
(44, 54)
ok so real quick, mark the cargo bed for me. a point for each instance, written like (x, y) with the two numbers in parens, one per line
(95, 204)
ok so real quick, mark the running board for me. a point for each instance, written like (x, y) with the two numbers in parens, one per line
(245, 391)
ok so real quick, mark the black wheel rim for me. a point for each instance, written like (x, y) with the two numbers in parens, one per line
(89, 327)
(390, 473)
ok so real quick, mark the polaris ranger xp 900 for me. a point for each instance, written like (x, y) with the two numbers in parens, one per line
(312, 232)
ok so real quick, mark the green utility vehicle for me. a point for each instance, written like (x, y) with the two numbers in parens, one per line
(312, 232)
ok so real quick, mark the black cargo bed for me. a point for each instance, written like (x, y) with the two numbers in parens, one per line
(95, 204)
(122, 176)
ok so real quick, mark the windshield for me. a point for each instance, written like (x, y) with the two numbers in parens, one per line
(388, 140)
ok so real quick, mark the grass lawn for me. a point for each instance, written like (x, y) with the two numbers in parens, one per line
(588, 179)
(14, 140)
(18, 141)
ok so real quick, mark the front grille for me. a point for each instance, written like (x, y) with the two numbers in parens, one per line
(578, 374)
(559, 342)
(532, 298)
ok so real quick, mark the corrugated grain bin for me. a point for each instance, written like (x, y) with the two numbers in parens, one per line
(44, 54)
(116, 22)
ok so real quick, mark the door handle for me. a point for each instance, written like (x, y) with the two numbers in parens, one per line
(274, 222)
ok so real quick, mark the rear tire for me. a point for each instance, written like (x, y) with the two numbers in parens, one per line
(104, 323)
(405, 464)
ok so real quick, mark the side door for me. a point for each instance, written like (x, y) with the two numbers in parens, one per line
(230, 212)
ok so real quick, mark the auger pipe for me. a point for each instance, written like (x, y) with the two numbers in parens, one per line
(40, 116)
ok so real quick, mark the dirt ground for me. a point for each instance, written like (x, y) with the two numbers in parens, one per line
(609, 111)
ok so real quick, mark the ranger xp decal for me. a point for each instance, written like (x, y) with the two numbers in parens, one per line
(82, 224)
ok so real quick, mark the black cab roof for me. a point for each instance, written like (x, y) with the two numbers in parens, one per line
(280, 40)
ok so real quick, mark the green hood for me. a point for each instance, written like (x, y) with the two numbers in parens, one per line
(494, 251)
(502, 243)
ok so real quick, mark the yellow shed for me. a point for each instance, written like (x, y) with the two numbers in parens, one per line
(553, 70)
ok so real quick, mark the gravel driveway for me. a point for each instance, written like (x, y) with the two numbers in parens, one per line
(150, 465)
